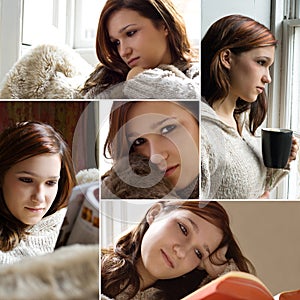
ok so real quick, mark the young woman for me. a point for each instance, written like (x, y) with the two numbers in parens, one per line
(177, 247)
(37, 177)
(237, 53)
(144, 52)
(164, 132)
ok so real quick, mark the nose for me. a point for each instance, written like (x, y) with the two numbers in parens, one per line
(38, 194)
(179, 251)
(158, 153)
(267, 77)
(125, 50)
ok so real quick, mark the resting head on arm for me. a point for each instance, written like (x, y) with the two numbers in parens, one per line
(138, 34)
(175, 241)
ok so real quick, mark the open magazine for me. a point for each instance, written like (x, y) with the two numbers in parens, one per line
(237, 285)
(81, 223)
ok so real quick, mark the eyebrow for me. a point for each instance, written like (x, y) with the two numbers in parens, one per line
(36, 175)
(153, 126)
(196, 228)
(125, 27)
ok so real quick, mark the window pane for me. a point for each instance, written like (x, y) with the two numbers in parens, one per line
(294, 178)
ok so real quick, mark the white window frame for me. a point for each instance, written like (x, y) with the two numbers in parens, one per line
(283, 16)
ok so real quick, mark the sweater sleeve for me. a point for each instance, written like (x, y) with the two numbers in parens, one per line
(164, 82)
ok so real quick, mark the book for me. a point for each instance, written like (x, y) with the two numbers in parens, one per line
(237, 285)
(81, 222)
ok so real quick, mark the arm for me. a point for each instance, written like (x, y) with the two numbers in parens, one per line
(165, 82)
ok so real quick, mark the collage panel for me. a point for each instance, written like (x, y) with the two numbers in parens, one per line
(49, 199)
(187, 249)
(249, 120)
(149, 149)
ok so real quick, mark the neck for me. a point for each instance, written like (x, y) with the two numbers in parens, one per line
(224, 108)
(146, 279)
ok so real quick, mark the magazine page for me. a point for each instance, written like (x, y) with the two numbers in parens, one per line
(81, 223)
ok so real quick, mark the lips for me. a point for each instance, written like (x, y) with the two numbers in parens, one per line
(132, 61)
(35, 209)
(260, 89)
(167, 259)
(170, 170)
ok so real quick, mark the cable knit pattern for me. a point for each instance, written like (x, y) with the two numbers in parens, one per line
(41, 239)
(163, 82)
(231, 164)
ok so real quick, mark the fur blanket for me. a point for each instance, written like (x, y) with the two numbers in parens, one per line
(46, 72)
(69, 273)
(135, 177)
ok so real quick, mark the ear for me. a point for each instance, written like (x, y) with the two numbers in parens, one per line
(153, 212)
(226, 58)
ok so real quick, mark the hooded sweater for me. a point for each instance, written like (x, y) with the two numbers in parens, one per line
(231, 163)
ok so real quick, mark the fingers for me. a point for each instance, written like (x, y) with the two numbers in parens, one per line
(294, 150)
(265, 195)
(215, 265)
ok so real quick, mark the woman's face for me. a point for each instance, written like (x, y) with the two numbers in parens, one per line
(249, 72)
(30, 187)
(167, 134)
(138, 41)
(175, 244)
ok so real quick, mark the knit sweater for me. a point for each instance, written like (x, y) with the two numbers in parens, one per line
(40, 240)
(231, 164)
(163, 82)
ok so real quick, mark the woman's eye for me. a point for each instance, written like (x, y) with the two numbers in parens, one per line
(131, 33)
(51, 183)
(25, 179)
(261, 62)
(183, 229)
(167, 129)
(198, 253)
(138, 142)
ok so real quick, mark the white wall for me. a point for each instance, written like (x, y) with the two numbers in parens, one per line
(212, 10)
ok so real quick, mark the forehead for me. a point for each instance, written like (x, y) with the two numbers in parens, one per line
(267, 52)
(122, 18)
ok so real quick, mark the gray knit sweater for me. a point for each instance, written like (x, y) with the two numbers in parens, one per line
(41, 239)
(231, 164)
(163, 82)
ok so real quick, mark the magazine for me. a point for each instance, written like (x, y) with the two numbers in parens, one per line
(81, 223)
(237, 285)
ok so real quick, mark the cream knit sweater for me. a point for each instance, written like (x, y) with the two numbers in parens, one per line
(41, 240)
(231, 164)
(163, 82)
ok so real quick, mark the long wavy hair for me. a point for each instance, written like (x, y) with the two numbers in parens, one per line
(238, 34)
(112, 69)
(118, 264)
(17, 143)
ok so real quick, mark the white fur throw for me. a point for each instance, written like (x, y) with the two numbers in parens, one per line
(46, 72)
(69, 273)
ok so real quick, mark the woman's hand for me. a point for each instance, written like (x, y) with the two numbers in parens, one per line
(294, 150)
(214, 270)
(134, 71)
(265, 195)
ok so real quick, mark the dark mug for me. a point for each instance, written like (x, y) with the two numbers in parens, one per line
(276, 147)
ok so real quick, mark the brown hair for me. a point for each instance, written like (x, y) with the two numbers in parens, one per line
(112, 69)
(118, 270)
(20, 142)
(238, 34)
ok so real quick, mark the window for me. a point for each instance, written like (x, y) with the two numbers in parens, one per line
(292, 94)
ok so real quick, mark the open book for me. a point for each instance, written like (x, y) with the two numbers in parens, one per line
(239, 286)
(81, 223)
